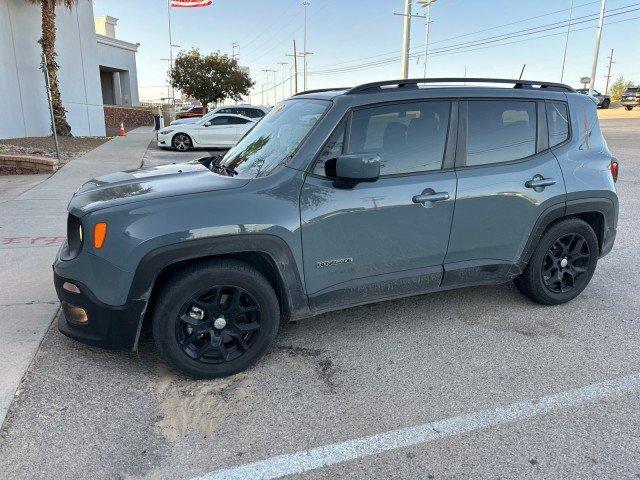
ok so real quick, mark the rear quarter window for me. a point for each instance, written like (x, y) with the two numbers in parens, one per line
(558, 122)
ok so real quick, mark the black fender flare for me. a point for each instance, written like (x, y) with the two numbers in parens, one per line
(276, 249)
(603, 205)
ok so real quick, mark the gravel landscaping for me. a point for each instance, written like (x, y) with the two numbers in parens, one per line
(70, 147)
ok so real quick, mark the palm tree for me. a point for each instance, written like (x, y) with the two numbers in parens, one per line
(48, 43)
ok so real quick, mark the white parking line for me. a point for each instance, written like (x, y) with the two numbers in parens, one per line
(298, 462)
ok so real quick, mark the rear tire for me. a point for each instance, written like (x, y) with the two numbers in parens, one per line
(215, 319)
(606, 104)
(562, 263)
(628, 107)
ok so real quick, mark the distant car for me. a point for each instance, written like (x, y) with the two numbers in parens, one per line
(631, 98)
(217, 131)
(249, 111)
(603, 101)
(192, 113)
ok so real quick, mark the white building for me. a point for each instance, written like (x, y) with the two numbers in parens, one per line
(95, 69)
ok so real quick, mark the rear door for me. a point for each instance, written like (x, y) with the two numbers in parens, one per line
(507, 177)
(386, 238)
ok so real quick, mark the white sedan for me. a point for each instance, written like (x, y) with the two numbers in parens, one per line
(218, 131)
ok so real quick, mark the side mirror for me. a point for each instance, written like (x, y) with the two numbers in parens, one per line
(356, 168)
(207, 124)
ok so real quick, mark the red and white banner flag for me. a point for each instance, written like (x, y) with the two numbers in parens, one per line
(190, 3)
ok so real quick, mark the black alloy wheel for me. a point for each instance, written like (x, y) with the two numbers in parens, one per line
(215, 318)
(562, 263)
(566, 263)
(218, 324)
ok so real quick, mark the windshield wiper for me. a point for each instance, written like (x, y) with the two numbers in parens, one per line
(217, 167)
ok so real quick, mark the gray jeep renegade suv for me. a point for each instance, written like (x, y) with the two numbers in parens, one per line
(339, 198)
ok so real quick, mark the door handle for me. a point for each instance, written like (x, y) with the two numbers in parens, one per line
(426, 198)
(538, 182)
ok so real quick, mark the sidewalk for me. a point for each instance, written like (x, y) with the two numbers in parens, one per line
(32, 228)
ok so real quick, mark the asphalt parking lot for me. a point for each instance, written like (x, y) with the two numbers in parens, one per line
(472, 383)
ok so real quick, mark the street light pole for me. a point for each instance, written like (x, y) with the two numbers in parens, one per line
(426, 4)
(267, 70)
(53, 117)
(304, 46)
(406, 40)
(283, 65)
(596, 51)
(566, 40)
(173, 93)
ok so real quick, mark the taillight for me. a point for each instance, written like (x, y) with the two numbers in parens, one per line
(614, 169)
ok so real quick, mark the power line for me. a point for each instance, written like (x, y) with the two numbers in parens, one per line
(487, 40)
(465, 34)
(470, 48)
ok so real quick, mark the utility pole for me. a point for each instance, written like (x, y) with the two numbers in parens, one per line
(566, 40)
(608, 76)
(596, 50)
(295, 66)
(283, 65)
(406, 40)
(262, 94)
(426, 4)
(235, 46)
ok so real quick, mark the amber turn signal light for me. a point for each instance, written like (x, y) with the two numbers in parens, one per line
(99, 235)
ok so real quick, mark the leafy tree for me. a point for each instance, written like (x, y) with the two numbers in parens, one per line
(618, 88)
(48, 42)
(209, 78)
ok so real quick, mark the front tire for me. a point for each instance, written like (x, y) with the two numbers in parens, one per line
(562, 263)
(181, 142)
(215, 319)
(606, 104)
(628, 107)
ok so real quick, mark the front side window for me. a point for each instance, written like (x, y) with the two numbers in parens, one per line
(558, 122)
(408, 137)
(500, 131)
(275, 137)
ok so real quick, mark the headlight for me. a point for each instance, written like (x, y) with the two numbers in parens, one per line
(164, 132)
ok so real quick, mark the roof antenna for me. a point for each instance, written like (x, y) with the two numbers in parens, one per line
(522, 71)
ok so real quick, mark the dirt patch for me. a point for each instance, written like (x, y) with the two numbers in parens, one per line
(70, 147)
(324, 366)
(197, 407)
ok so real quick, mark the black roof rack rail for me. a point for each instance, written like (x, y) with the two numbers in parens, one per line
(320, 90)
(413, 83)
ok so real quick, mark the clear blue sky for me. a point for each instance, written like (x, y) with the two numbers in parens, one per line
(343, 34)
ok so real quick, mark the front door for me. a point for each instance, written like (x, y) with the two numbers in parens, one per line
(387, 238)
(218, 132)
(507, 177)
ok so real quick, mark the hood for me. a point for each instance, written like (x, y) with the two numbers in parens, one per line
(147, 184)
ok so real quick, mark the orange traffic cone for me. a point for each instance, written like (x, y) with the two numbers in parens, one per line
(122, 132)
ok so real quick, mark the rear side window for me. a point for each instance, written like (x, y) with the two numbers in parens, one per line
(500, 131)
(558, 122)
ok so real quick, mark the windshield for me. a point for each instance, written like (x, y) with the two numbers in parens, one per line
(275, 137)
